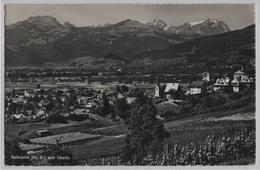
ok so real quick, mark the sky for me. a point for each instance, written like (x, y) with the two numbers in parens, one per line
(235, 15)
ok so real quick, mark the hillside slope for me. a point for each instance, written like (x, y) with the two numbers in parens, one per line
(227, 50)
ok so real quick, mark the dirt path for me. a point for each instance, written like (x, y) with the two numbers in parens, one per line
(107, 127)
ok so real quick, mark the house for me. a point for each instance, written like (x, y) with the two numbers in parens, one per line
(130, 100)
(82, 99)
(120, 96)
(197, 87)
(89, 105)
(221, 84)
(18, 116)
(40, 113)
(246, 79)
(168, 90)
(28, 93)
(173, 90)
(119, 70)
(235, 84)
(205, 76)
(19, 92)
(239, 74)
(240, 81)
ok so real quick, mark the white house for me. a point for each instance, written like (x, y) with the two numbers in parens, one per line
(18, 116)
(238, 74)
(221, 83)
(235, 84)
(157, 91)
(240, 78)
(170, 88)
(195, 87)
(245, 79)
(205, 76)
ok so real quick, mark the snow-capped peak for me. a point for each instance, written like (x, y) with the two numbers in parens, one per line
(209, 20)
(196, 22)
(159, 23)
(203, 27)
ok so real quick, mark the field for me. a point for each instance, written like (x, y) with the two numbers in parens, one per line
(93, 85)
(192, 129)
(28, 130)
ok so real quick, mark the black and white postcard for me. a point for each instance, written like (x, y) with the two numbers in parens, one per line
(112, 84)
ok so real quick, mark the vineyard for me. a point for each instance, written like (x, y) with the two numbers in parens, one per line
(212, 150)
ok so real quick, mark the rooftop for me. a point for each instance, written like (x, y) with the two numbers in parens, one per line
(239, 72)
(171, 86)
(197, 84)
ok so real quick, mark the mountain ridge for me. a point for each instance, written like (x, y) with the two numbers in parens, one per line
(43, 39)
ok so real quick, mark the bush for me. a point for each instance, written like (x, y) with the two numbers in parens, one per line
(78, 117)
(200, 103)
(56, 118)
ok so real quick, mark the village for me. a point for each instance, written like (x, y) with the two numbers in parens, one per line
(26, 105)
(63, 105)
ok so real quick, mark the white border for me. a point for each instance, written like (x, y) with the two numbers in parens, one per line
(257, 15)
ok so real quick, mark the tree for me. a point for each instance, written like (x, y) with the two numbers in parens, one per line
(105, 108)
(38, 86)
(50, 105)
(56, 118)
(12, 108)
(146, 133)
(59, 93)
(229, 88)
(120, 108)
(118, 89)
(124, 89)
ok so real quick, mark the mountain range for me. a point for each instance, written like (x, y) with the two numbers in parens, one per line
(129, 43)
(203, 27)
